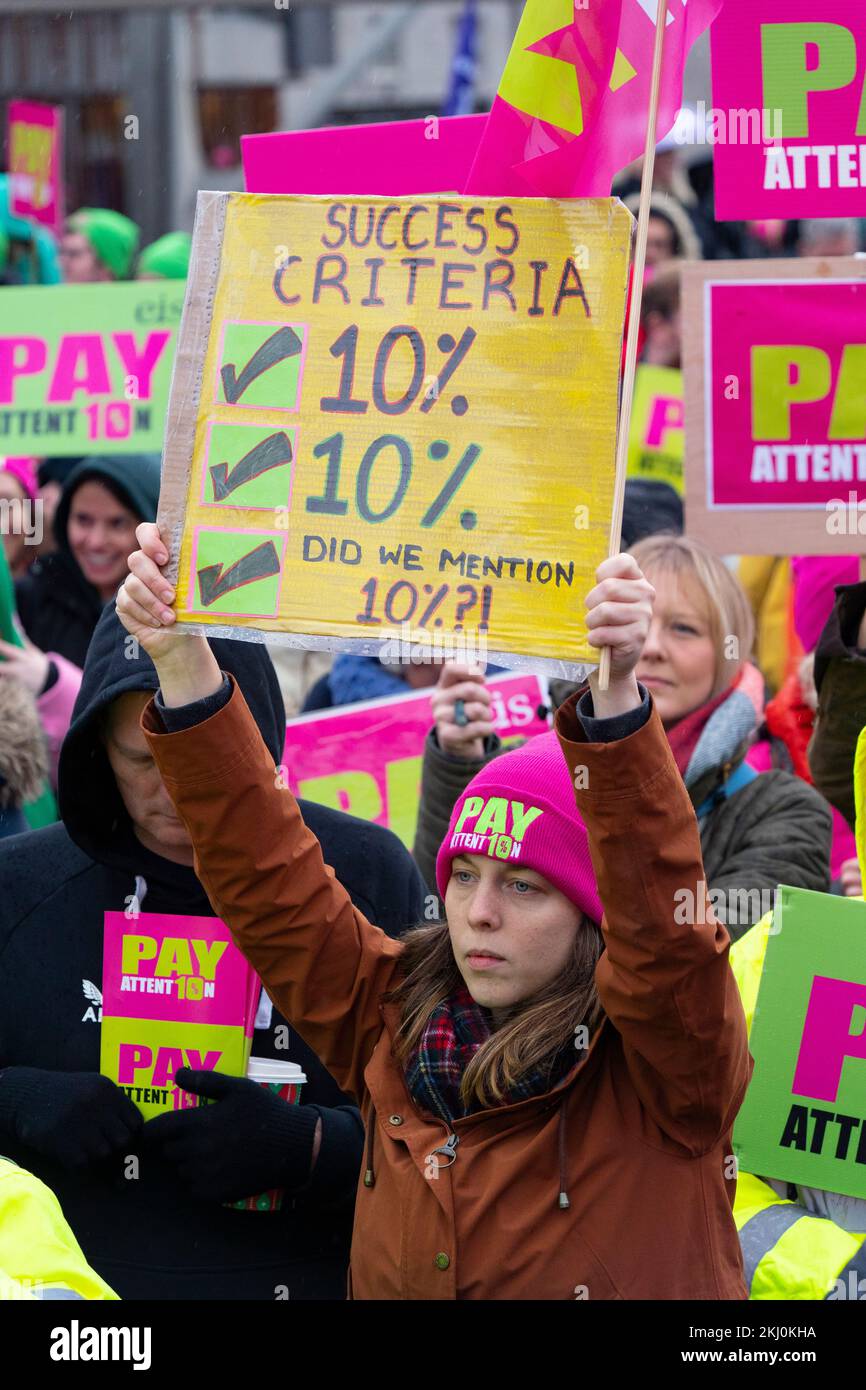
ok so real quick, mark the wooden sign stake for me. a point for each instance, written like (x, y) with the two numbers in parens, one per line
(634, 310)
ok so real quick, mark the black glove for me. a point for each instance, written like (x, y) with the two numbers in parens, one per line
(71, 1117)
(248, 1142)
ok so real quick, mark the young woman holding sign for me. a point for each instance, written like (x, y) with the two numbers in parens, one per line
(548, 1081)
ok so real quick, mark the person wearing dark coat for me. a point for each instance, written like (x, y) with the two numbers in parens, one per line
(60, 598)
(840, 680)
(164, 1231)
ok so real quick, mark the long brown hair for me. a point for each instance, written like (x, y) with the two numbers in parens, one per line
(536, 1029)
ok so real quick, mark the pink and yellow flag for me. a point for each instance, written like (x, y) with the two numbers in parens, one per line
(571, 110)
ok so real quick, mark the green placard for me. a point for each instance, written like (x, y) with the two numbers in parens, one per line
(804, 1116)
(85, 369)
(656, 438)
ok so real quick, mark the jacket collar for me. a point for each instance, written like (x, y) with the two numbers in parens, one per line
(390, 1013)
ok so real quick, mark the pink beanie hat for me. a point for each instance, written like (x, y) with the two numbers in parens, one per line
(24, 470)
(521, 808)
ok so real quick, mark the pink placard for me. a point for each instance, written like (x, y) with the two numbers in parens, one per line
(784, 393)
(828, 1039)
(433, 155)
(164, 955)
(805, 59)
(34, 158)
(366, 758)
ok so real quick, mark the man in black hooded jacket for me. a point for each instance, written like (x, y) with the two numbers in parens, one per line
(156, 1227)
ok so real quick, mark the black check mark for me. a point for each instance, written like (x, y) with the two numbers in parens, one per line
(260, 563)
(270, 453)
(281, 345)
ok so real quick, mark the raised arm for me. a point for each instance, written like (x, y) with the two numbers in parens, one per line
(321, 961)
(664, 979)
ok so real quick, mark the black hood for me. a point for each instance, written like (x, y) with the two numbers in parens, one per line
(650, 508)
(90, 804)
(133, 478)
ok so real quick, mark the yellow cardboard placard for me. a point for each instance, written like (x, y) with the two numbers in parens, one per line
(397, 419)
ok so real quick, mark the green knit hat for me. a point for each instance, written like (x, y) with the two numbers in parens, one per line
(112, 237)
(167, 258)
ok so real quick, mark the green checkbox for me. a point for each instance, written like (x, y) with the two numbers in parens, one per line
(237, 572)
(260, 365)
(248, 466)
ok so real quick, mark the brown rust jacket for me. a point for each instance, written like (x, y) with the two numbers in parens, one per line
(637, 1135)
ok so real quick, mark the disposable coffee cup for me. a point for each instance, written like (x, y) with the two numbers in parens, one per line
(283, 1079)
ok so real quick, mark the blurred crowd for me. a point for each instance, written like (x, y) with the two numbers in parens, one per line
(755, 666)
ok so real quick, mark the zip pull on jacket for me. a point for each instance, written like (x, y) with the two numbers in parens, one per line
(448, 1148)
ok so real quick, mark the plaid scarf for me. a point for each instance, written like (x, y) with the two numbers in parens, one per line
(452, 1035)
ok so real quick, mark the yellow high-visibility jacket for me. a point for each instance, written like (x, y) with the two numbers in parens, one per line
(39, 1256)
(788, 1252)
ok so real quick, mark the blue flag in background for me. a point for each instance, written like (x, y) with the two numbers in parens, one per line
(461, 94)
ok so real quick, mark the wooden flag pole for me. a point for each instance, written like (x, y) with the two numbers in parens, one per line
(639, 263)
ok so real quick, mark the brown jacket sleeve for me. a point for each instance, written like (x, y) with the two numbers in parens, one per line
(667, 988)
(322, 963)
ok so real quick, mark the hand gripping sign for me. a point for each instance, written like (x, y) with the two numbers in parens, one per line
(397, 415)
